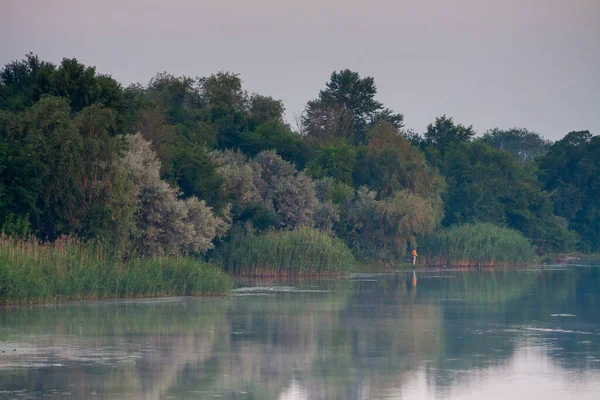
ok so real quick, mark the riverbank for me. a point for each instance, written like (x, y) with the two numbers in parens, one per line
(67, 269)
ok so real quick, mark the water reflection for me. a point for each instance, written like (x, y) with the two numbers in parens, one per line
(459, 334)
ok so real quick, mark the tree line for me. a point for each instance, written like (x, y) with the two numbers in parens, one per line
(185, 165)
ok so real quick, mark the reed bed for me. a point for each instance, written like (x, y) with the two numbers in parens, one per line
(477, 245)
(301, 252)
(68, 269)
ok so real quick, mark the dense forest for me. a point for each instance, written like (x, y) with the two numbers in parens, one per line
(199, 166)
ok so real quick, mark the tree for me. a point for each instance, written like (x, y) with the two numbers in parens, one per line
(383, 229)
(223, 91)
(390, 163)
(22, 83)
(443, 133)
(323, 121)
(489, 185)
(266, 110)
(347, 95)
(77, 83)
(196, 174)
(271, 181)
(165, 224)
(571, 172)
(276, 136)
(61, 171)
(336, 160)
(520, 142)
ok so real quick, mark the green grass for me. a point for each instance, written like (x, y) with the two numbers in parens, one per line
(67, 269)
(301, 252)
(479, 244)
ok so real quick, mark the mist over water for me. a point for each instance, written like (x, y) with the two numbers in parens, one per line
(448, 335)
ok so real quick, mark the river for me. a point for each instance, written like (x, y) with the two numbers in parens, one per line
(505, 334)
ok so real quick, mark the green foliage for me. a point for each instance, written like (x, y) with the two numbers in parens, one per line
(489, 185)
(273, 181)
(346, 107)
(16, 226)
(61, 170)
(22, 83)
(336, 160)
(571, 172)
(166, 225)
(521, 143)
(32, 272)
(390, 163)
(444, 133)
(276, 136)
(66, 168)
(476, 245)
(266, 110)
(195, 172)
(383, 229)
(286, 253)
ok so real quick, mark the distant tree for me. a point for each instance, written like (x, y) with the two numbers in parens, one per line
(489, 185)
(165, 224)
(195, 172)
(336, 160)
(348, 95)
(443, 133)
(271, 181)
(82, 87)
(277, 136)
(175, 95)
(390, 163)
(22, 83)
(241, 177)
(323, 121)
(63, 171)
(383, 229)
(266, 110)
(570, 170)
(521, 143)
(223, 91)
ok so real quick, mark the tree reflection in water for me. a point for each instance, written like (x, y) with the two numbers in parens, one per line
(365, 337)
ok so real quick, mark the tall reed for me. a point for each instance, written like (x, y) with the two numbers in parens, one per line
(286, 253)
(479, 244)
(32, 271)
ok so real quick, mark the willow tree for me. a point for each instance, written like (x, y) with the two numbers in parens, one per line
(383, 229)
(390, 163)
(164, 223)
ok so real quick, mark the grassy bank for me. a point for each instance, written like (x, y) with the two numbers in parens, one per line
(35, 272)
(302, 252)
(476, 245)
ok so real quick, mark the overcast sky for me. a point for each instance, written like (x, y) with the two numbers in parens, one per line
(503, 63)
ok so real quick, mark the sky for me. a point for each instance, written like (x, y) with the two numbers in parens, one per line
(503, 63)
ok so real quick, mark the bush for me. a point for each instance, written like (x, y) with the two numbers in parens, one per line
(476, 245)
(304, 251)
(67, 269)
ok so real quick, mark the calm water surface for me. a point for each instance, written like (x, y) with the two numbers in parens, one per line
(455, 335)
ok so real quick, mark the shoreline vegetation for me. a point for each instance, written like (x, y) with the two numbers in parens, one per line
(174, 186)
(477, 245)
(68, 269)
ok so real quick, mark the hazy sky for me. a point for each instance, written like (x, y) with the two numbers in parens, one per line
(503, 63)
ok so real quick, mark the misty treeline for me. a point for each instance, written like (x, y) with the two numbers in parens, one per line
(183, 164)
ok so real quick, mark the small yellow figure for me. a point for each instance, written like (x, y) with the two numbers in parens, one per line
(414, 255)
